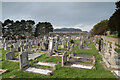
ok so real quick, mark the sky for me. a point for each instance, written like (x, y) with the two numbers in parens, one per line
(82, 15)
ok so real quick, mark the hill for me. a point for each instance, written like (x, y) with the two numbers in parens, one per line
(68, 30)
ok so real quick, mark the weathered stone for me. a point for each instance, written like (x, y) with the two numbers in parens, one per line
(23, 59)
(64, 58)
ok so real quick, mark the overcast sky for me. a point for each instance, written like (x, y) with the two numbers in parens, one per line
(81, 15)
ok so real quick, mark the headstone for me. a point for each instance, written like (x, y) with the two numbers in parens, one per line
(50, 49)
(9, 56)
(99, 49)
(72, 48)
(6, 46)
(23, 59)
(47, 43)
(44, 46)
(56, 45)
(64, 58)
(112, 57)
(19, 49)
(68, 45)
(63, 43)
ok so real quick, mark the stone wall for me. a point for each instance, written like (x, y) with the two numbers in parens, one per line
(110, 39)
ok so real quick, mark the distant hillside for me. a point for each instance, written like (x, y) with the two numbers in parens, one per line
(68, 30)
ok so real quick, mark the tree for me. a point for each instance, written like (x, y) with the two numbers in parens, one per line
(43, 28)
(114, 21)
(30, 26)
(100, 28)
(23, 27)
(7, 27)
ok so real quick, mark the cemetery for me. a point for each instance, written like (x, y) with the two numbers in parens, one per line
(75, 47)
(59, 56)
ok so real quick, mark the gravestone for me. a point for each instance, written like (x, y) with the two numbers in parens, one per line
(81, 45)
(44, 46)
(29, 44)
(23, 59)
(112, 57)
(6, 46)
(9, 56)
(72, 48)
(25, 47)
(63, 43)
(56, 45)
(64, 58)
(12, 49)
(50, 49)
(47, 43)
(19, 49)
(99, 49)
(68, 44)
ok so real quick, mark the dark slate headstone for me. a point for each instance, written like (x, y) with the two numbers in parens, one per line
(19, 49)
(99, 45)
(23, 60)
(9, 56)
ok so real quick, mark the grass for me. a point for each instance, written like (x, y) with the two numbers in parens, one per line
(59, 48)
(113, 36)
(60, 72)
(117, 50)
(16, 54)
(117, 45)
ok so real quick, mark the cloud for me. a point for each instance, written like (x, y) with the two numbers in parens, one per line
(59, 0)
(61, 14)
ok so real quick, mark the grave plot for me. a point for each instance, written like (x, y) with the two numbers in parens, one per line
(78, 61)
(10, 56)
(116, 72)
(35, 53)
(57, 53)
(34, 56)
(83, 44)
(53, 50)
(13, 54)
(110, 56)
(3, 71)
(25, 66)
(47, 64)
(39, 46)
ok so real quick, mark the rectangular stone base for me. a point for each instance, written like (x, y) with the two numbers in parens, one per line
(81, 66)
(34, 56)
(46, 64)
(39, 71)
(117, 72)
